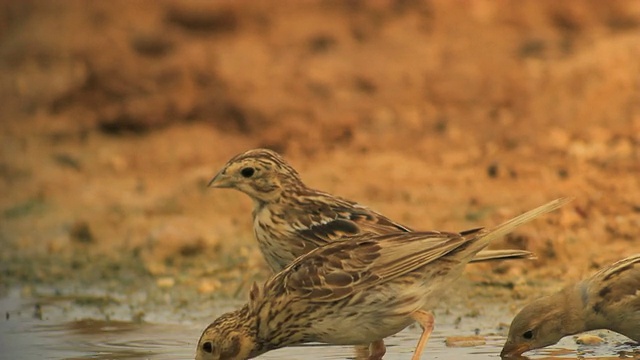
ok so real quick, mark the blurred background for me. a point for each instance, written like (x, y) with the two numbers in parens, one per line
(440, 114)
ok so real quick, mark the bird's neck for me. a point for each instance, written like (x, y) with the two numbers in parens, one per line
(594, 310)
(246, 324)
(573, 301)
(273, 329)
(283, 196)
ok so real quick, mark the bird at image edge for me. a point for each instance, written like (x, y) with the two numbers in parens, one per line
(610, 299)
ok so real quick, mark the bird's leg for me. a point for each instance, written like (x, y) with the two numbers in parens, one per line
(425, 319)
(362, 352)
(376, 350)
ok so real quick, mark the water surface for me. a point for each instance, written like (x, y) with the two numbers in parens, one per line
(58, 328)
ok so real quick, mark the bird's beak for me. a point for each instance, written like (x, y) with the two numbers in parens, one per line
(221, 180)
(511, 350)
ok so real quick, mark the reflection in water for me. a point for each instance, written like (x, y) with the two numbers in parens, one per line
(24, 335)
(90, 339)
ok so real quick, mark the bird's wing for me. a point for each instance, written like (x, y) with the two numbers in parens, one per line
(328, 218)
(341, 269)
(616, 285)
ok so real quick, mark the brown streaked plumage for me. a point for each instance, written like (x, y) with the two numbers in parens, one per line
(610, 299)
(357, 291)
(290, 219)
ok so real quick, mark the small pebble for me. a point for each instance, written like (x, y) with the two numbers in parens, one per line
(493, 170)
(81, 232)
(166, 282)
(37, 312)
(465, 341)
(208, 286)
(587, 339)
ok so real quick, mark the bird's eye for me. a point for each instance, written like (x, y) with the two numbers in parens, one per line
(247, 172)
(208, 347)
(528, 335)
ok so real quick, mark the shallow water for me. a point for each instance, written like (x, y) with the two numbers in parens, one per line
(55, 329)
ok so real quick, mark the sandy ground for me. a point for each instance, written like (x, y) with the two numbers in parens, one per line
(440, 114)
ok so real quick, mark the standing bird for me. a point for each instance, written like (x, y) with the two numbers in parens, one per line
(291, 219)
(610, 299)
(352, 292)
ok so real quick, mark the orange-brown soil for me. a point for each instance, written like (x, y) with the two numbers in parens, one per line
(440, 114)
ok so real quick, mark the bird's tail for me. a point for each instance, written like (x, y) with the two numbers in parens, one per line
(507, 254)
(508, 226)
